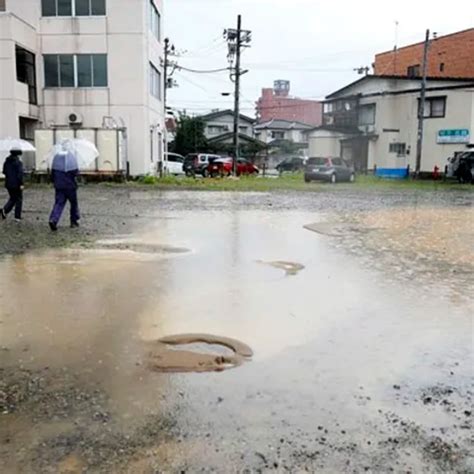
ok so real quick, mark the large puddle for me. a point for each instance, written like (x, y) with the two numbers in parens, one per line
(101, 319)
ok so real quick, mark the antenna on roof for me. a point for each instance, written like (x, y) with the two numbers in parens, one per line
(395, 48)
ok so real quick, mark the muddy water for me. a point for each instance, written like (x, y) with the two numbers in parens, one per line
(329, 343)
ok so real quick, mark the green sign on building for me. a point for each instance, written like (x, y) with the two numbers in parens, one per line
(454, 135)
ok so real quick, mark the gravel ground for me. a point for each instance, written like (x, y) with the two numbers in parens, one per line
(79, 432)
(109, 210)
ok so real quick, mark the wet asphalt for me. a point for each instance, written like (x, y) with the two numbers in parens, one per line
(362, 358)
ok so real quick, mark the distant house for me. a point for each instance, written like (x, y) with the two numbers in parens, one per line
(373, 122)
(276, 131)
(222, 122)
(219, 131)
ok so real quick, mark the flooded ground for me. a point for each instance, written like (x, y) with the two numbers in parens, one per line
(358, 311)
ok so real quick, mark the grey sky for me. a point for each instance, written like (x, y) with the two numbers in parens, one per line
(315, 44)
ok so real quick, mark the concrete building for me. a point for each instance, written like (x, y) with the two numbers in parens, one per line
(449, 56)
(277, 104)
(84, 63)
(373, 123)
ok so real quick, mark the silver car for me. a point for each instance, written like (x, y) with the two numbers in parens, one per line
(332, 170)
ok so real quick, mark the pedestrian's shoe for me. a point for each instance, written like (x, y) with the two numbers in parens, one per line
(17, 219)
(53, 226)
(2, 214)
(74, 224)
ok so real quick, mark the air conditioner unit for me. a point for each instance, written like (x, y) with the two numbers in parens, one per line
(75, 119)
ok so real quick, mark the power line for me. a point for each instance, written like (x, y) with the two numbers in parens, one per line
(203, 71)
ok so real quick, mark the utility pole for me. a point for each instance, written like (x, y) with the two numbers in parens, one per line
(237, 39)
(168, 84)
(421, 108)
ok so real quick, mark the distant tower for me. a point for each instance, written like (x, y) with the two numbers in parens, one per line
(281, 88)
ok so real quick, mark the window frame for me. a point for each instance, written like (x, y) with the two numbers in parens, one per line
(372, 106)
(155, 20)
(28, 65)
(400, 148)
(428, 106)
(155, 74)
(414, 70)
(76, 71)
(73, 10)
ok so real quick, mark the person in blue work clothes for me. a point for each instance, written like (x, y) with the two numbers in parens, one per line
(64, 176)
(13, 171)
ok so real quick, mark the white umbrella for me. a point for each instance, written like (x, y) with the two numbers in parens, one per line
(84, 151)
(8, 144)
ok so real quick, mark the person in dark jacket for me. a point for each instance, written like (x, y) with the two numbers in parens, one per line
(64, 174)
(13, 171)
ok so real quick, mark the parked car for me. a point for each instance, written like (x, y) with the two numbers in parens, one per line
(197, 163)
(291, 164)
(328, 169)
(461, 167)
(224, 167)
(465, 170)
(174, 164)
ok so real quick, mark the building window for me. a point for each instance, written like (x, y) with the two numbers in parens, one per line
(243, 130)
(82, 70)
(90, 7)
(2, 6)
(413, 71)
(26, 72)
(441, 67)
(92, 70)
(435, 107)
(155, 82)
(217, 129)
(73, 7)
(399, 148)
(327, 107)
(155, 20)
(56, 7)
(367, 114)
(278, 135)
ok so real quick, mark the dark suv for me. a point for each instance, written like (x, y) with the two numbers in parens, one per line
(291, 164)
(461, 166)
(328, 169)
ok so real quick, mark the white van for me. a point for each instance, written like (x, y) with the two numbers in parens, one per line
(174, 164)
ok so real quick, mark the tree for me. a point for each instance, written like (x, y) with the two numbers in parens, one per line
(190, 136)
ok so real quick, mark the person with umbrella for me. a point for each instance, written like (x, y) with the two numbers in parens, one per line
(13, 171)
(65, 169)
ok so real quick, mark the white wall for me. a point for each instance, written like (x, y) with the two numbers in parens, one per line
(399, 112)
(13, 94)
(325, 143)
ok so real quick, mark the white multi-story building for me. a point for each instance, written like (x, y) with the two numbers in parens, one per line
(85, 63)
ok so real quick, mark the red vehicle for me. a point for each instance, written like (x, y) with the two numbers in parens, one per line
(224, 167)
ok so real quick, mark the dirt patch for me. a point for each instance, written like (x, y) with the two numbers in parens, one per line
(168, 354)
(291, 268)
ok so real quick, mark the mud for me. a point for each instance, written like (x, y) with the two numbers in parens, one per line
(290, 268)
(161, 358)
(138, 247)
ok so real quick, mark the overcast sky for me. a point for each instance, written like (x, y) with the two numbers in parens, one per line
(314, 44)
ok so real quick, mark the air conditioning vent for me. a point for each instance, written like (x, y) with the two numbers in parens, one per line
(75, 119)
